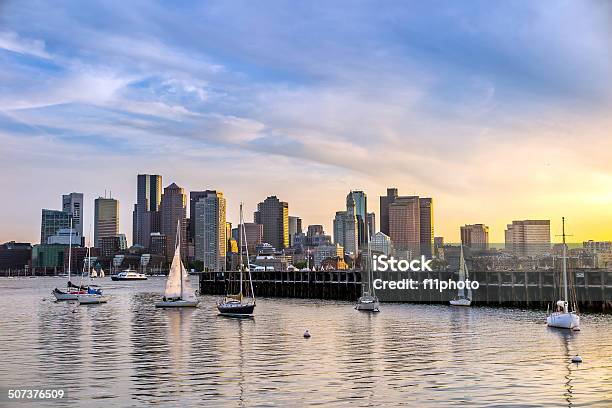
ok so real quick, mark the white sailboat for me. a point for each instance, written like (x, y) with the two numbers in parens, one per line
(368, 302)
(70, 293)
(461, 299)
(92, 296)
(563, 318)
(178, 291)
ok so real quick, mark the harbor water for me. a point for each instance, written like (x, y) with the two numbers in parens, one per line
(128, 353)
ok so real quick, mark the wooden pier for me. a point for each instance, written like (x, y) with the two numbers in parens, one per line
(530, 289)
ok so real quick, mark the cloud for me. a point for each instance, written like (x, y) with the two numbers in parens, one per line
(11, 41)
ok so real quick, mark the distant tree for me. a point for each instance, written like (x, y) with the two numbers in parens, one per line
(300, 264)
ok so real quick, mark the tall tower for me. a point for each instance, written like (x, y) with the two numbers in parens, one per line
(426, 226)
(146, 215)
(405, 224)
(385, 202)
(361, 213)
(73, 204)
(211, 230)
(273, 214)
(106, 219)
(173, 211)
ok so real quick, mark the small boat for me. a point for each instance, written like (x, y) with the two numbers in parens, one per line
(92, 297)
(563, 318)
(461, 299)
(235, 305)
(129, 275)
(368, 301)
(178, 292)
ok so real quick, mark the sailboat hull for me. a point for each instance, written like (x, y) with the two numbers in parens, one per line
(236, 310)
(177, 303)
(367, 305)
(92, 299)
(564, 320)
(59, 295)
(461, 302)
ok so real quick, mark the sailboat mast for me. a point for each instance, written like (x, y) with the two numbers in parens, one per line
(70, 249)
(566, 297)
(242, 224)
(178, 248)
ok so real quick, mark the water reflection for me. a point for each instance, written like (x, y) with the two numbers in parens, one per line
(128, 353)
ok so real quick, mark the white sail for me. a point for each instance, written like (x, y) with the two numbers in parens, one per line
(188, 293)
(462, 272)
(173, 284)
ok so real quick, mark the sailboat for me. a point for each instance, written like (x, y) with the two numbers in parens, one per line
(70, 293)
(461, 299)
(564, 318)
(178, 291)
(92, 296)
(368, 302)
(235, 304)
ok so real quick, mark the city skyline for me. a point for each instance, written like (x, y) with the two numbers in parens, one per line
(496, 120)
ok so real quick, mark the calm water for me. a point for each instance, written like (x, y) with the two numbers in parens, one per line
(127, 353)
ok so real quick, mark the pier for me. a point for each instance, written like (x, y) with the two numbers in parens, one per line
(530, 289)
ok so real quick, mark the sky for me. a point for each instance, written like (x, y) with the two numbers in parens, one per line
(500, 111)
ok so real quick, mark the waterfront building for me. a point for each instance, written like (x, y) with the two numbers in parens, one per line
(381, 243)
(273, 214)
(15, 255)
(146, 215)
(295, 227)
(48, 256)
(323, 252)
(371, 222)
(173, 207)
(597, 246)
(73, 204)
(346, 232)
(475, 236)
(210, 230)
(51, 222)
(109, 246)
(158, 244)
(106, 218)
(528, 237)
(65, 236)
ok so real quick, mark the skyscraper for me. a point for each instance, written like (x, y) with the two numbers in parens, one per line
(405, 224)
(173, 207)
(371, 224)
(106, 219)
(273, 214)
(361, 213)
(528, 237)
(426, 226)
(146, 218)
(194, 197)
(295, 227)
(475, 236)
(210, 230)
(51, 222)
(385, 202)
(73, 204)
(346, 231)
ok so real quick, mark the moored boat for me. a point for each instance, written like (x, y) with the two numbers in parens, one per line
(462, 299)
(129, 275)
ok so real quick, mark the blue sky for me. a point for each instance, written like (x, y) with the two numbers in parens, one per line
(494, 109)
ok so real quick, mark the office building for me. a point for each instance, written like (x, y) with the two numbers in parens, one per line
(426, 225)
(210, 230)
(146, 215)
(381, 243)
(158, 244)
(173, 208)
(273, 214)
(405, 224)
(597, 246)
(15, 255)
(73, 204)
(528, 237)
(361, 214)
(295, 227)
(346, 232)
(106, 218)
(323, 252)
(385, 202)
(51, 222)
(66, 236)
(315, 229)
(475, 236)
(371, 222)
(253, 233)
